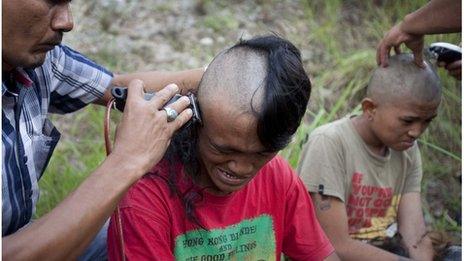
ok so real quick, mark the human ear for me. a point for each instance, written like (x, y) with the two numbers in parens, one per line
(369, 108)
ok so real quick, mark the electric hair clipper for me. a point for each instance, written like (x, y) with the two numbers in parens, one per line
(120, 96)
(444, 52)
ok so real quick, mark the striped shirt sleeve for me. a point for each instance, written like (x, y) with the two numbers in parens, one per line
(74, 80)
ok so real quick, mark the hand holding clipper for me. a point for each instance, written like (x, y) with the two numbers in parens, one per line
(446, 55)
(120, 95)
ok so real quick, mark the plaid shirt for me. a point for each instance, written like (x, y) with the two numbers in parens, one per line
(66, 82)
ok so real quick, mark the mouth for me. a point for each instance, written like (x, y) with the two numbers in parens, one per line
(229, 178)
(50, 44)
(46, 47)
(408, 143)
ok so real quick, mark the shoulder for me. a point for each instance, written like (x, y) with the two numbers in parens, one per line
(63, 57)
(146, 192)
(332, 132)
(328, 140)
(277, 173)
(151, 193)
(277, 165)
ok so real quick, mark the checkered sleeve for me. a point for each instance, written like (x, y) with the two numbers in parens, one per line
(75, 80)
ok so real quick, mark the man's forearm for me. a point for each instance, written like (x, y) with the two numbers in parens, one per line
(186, 80)
(65, 232)
(438, 16)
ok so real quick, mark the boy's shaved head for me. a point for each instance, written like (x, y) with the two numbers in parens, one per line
(402, 79)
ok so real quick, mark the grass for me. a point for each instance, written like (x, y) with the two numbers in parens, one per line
(337, 39)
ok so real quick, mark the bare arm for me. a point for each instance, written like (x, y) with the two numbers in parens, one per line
(331, 213)
(156, 80)
(141, 140)
(438, 16)
(412, 227)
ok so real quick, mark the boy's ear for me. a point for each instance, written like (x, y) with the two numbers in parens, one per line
(369, 107)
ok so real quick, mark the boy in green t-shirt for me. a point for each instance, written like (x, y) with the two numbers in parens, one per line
(364, 172)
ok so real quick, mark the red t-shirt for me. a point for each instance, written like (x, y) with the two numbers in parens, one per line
(273, 213)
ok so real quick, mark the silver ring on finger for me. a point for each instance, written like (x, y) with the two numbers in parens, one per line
(171, 113)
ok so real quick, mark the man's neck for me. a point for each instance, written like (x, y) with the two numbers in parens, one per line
(362, 126)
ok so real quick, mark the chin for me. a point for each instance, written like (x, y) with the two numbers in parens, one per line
(30, 60)
(401, 147)
(224, 189)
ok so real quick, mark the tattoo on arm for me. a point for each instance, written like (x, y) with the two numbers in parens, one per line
(324, 203)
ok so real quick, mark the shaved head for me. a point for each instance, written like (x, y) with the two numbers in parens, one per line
(402, 79)
(236, 77)
(263, 77)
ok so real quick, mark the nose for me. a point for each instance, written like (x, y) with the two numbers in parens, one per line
(62, 19)
(241, 166)
(417, 130)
